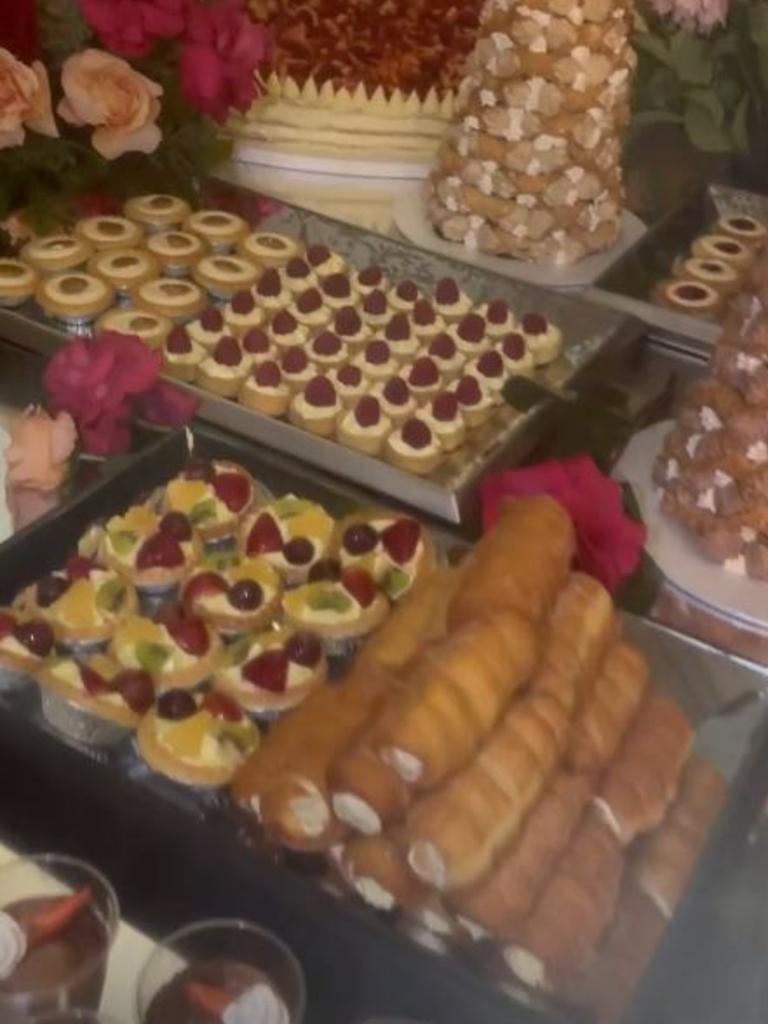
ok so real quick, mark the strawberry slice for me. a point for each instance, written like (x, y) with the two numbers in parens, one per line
(200, 585)
(401, 539)
(208, 999)
(95, 684)
(360, 585)
(189, 632)
(264, 536)
(233, 489)
(79, 568)
(268, 670)
(56, 916)
(221, 706)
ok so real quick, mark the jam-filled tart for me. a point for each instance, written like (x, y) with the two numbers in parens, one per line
(74, 297)
(52, 254)
(151, 328)
(157, 211)
(269, 249)
(293, 534)
(688, 296)
(179, 300)
(123, 269)
(175, 649)
(176, 251)
(25, 642)
(233, 594)
(154, 551)
(17, 282)
(221, 230)
(110, 232)
(214, 495)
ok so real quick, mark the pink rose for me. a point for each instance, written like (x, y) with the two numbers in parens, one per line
(122, 105)
(25, 100)
(222, 49)
(132, 27)
(40, 448)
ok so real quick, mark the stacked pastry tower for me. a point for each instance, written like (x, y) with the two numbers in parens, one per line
(531, 167)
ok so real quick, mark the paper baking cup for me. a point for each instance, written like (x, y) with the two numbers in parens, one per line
(342, 647)
(174, 270)
(80, 725)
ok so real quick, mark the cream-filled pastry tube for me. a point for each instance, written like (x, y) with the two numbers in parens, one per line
(376, 868)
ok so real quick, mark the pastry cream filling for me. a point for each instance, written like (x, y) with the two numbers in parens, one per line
(538, 343)
(400, 411)
(523, 364)
(408, 766)
(10, 645)
(315, 412)
(374, 894)
(526, 966)
(497, 330)
(68, 672)
(459, 308)
(190, 358)
(272, 303)
(198, 333)
(427, 863)
(400, 446)
(219, 604)
(298, 336)
(252, 319)
(444, 428)
(316, 318)
(177, 659)
(212, 368)
(405, 348)
(13, 945)
(262, 389)
(211, 753)
(357, 813)
(377, 371)
(310, 811)
(296, 605)
(380, 429)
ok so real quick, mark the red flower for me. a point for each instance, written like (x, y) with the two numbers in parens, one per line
(108, 434)
(166, 406)
(18, 30)
(132, 27)
(222, 48)
(609, 542)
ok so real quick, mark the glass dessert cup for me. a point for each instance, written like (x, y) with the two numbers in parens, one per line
(200, 971)
(58, 919)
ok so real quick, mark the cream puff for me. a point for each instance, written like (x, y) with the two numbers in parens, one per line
(375, 310)
(423, 379)
(309, 310)
(123, 269)
(286, 331)
(271, 294)
(327, 352)
(151, 328)
(269, 249)
(181, 355)
(475, 402)
(293, 534)
(208, 329)
(444, 352)
(18, 283)
(109, 232)
(233, 595)
(470, 335)
(425, 320)
(543, 338)
(349, 326)
(264, 390)
(337, 291)
(377, 362)
(444, 417)
(241, 313)
(224, 276)
(179, 300)
(514, 351)
(350, 383)
(176, 251)
(53, 254)
(396, 399)
(400, 337)
(157, 212)
(324, 261)
(451, 302)
(74, 297)
(225, 369)
(414, 447)
(219, 229)
(214, 495)
(317, 407)
(296, 368)
(364, 427)
(155, 552)
(403, 296)
(297, 275)
(24, 645)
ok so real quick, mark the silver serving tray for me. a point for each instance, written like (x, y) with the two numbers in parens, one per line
(658, 249)
(506, 437)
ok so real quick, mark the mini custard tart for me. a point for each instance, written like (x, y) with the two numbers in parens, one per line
(270, 672)
(414, 447)
(209, 328)
(224, 276)
(214, 495)
(423, 378)
(399, 335)
(157, 212)
(444, 417)
(688, 296)
(514, 350)
(18, 282)
(199, 740)
(403, 297)
(364, 427)
(718, 274)
(94, 701)
(723, 247)
(181, 355)
(297, 276)
(53, 254)
(25, 643)
(180, 301)
(338, 291)
(264, 390)
(341, 612)
(296, 368)
(450, 301)
(375, 310)
(747, 229)
(176, 251)
(124, 268)
(177, 650)
(258, 346)
(233, 595)
(269, 249)
(224, 370)
(155, 552)
(327, 351)
(349, 326)
(470, 335)
(543, 338)
(152, 329)
(370, 279)
(110, 232)
(286, 331)
(396, 399)
(241, 313)
(324, 261)
(317, 407)
(427, 323)
(395, 550)
(350, 383)
(271, 294)
(220, 230)
(309, 309)
(74, 298)
(444, 351)
(377, 362)
(293, 534)
(475, 402)
(499, 319)
(491, 372)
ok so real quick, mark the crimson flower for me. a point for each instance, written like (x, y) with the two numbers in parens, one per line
(109, 433)
(166, 406)
(609, 542)
(131, 28)
(18, 30)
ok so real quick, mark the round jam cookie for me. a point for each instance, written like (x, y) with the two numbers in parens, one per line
(444, 351)
(17, 282)
(224, 275)
(181, 354)
(317, 407)
(152, 329)
(286, 331)
(74, 297)
(232, 594)
(24, 644)
(475, 402)
(470, 335)
(370, 279)
(124, 268)
(365, 427)
(270, 672)
(109, 232)
(296, 368)
(327, 351)
(54, 253)
(224, 369)
(544, 339)
(723, 247)
(208, 328)
(450, 301)
(350, 382)
(423, 378)
(694, 297)
(309, 309)
(403, 297)
(271, 294)
(269, 249)
(264, 390)
(180, 301)
(375, 310)
(444, 416)
(349, 326)
(716, 273)
(221, 230)
(153, 550)
(740, 225)
(176, 251)
(396, 399)
(499, 319)
(214, 496)
(297, 275)
(376, 361)
(414, 447)
(157, 212)
(342, 611)
(324, 261)
(293, 534)
(513, 349)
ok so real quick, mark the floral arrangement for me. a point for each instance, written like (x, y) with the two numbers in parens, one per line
(104, 96)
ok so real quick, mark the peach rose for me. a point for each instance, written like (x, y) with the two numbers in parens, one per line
(25, 100)
(38, 455)
(122, 105)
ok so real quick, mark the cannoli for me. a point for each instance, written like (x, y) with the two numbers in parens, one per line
(376, 868)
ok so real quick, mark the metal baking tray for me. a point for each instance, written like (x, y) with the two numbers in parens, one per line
(627, 285)
(507, 437)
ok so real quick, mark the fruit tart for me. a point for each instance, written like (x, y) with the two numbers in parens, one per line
(198, 739)
(490, 371)
(297, 275)
(94, 701)
(470, 335)
(155, 551)
(214, 495)
(309, 310)
(394, 550)
(233, 594)
(443, 351)
(24, 643)
(377, 361)
(342, 612)
(241, 314)
(177, 650)
(475, 402)
(270, 672)
(293, 534)
(376, 312)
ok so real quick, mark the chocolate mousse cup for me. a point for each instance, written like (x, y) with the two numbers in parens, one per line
(58, 919)
(198, 972)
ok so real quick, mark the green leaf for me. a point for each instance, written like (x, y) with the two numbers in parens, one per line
(704, 132)
(653, 45)
(710, 101)
(691, 58)
(329, 601)
(202, 511)
(740, 126)
(151, 657)
(123, 541)
(395, 583)
(648, 117)
(757, 20)
(111, 595)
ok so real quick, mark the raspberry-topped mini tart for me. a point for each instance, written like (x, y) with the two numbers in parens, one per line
(423, 378)
(213, 495)
(151, 328)
(403, 296)
(297, 275)
(723, 247)
(370, 279)
(396, 399)
(74, 297)
(17, 282)
(444, 417)
(181, 355)
(514, 351)
(265, 391)
(271, 294)
(444, 351)
(270, 672)
(296, 368)
(327, 351)
(155, 552)
(394, 550)
(414, 447)
(24, 644)
(365, 427)
(427, 324)
(176, 251)
(233, 595)
(317, 407)
(241, 313)
(337, 291)
(450, 301)
(376, 361)
(400, 337)
(224, 276)
(225, 369)
(221, 230)
(286, 330)
(490, 371)
(543, 338)
(694, 297)
(269, 249)
(470, 335)
(53, 254)
(109, 232)
(350, 384)
(258, 345)
(177, 650)
(124, 268)
(498, 318)
(349, 326)
(475, 402)
(157, 211)
(375, 310)
(324, 261)
(341, 611)
(197, 739)
(208, 328)
(309, 309)
(740, 225)
(718, 274)
(179, 300)
(291, 533)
